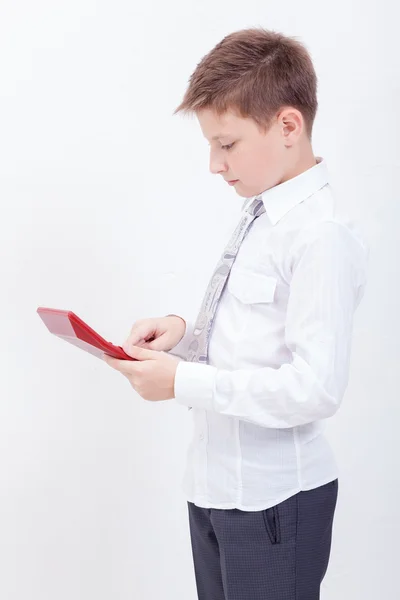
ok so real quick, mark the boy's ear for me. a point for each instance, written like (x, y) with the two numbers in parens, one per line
(292, 125)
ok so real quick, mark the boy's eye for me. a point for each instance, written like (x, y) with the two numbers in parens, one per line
(227, 147)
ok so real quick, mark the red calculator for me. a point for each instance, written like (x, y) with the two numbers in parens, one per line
(68, 326)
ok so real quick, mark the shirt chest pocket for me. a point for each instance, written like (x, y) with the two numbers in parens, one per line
(250, 287)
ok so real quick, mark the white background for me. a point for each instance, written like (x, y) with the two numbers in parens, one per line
(108, 209)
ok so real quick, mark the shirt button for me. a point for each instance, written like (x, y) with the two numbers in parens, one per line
(201, 436)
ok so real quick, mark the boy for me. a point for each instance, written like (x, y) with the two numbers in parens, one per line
(265, 370)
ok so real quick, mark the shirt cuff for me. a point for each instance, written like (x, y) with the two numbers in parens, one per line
(194, 385)
(182, 347)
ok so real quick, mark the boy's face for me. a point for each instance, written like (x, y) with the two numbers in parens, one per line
(257, 160)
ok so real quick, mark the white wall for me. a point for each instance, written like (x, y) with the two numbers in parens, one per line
(105, 198)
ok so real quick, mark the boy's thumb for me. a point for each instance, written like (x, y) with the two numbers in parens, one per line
(140, 353)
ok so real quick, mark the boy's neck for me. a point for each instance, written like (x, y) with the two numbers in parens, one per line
(305, 160)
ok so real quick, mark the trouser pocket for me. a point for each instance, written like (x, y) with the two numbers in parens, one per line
(272, 524)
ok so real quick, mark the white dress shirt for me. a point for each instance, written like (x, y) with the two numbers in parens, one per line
(279, 353)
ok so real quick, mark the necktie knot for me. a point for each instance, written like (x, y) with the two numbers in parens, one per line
(256, 207)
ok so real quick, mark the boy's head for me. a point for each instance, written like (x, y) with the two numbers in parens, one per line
(255, 96)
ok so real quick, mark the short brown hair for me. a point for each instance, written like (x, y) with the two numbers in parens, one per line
(254, 72)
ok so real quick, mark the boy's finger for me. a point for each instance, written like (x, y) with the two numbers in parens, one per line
(115, 363)
(141, 333)
(108, 359)
(136, 339)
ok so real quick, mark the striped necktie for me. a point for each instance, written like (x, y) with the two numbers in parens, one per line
(198, 347)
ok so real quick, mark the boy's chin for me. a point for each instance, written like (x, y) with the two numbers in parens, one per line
(240, 190)
(243, 192)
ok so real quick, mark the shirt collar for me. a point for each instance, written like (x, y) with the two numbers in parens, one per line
(280, 199)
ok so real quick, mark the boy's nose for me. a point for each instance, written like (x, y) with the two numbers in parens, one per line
(216, 166)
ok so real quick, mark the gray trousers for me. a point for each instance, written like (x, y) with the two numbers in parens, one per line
(280, 553)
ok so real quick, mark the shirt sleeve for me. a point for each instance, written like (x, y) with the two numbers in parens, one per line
(182, 347)
(327, 282)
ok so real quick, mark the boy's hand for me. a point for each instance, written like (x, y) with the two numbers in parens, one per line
(162, 333)
(152, 375)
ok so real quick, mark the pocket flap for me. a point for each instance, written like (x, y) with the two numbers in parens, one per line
(250, 287)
